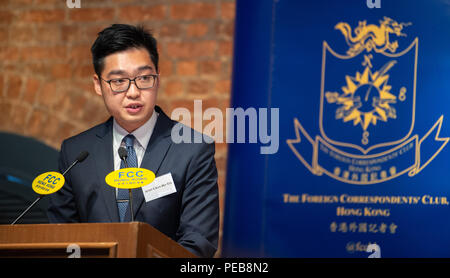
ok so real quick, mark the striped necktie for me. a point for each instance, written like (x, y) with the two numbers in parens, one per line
(123, 194)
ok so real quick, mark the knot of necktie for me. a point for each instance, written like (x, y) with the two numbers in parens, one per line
(129, 140)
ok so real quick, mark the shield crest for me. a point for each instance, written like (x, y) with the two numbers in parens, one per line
(368, 97)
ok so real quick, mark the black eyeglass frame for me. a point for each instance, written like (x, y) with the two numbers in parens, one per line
(155, 78)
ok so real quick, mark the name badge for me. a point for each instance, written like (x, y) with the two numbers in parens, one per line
(160, 187)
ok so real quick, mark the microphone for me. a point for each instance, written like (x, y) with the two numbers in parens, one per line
(123, 154)
(80, 158)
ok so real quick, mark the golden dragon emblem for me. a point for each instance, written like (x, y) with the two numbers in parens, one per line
(372, 37)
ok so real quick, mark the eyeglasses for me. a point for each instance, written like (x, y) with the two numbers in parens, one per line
(120, 85)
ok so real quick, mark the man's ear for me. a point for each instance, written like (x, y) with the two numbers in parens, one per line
(97, 85)
(158, 81)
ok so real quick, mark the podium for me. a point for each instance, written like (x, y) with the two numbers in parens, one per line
(98, 240)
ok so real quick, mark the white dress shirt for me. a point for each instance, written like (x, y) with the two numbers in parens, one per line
(142, 135)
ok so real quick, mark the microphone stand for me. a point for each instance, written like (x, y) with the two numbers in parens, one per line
(82, 156)
(129, 192)
(28, 208)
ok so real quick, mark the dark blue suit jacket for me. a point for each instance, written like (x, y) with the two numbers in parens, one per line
(190, 216)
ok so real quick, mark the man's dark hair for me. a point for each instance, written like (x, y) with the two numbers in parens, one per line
(121, 37)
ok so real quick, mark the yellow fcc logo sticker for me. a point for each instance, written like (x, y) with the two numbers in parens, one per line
(129, 178)
(48, 183)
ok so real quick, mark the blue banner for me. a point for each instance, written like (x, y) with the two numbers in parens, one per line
(362, 92)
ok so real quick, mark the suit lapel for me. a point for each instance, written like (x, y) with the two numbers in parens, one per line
(155, 152)
(104, 162)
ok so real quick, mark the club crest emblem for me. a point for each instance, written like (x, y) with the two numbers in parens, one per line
(367, 109)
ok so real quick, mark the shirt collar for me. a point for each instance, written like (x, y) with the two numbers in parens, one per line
(142, 134)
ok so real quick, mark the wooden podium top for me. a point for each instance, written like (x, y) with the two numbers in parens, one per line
(122, 240)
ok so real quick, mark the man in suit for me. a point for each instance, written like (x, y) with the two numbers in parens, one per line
(126, 76)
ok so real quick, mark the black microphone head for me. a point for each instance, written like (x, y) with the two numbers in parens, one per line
(82, 156)
(123, 154)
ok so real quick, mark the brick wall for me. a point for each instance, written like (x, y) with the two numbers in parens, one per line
(46, 89)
